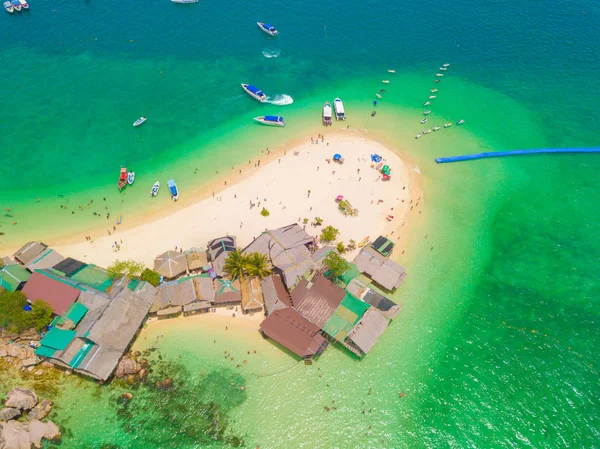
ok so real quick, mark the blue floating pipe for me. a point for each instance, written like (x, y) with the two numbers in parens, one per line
(470, 157)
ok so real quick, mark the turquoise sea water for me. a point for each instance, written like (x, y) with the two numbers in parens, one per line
(496, 343)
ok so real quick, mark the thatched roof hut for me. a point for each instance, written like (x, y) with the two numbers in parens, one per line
(170, 264)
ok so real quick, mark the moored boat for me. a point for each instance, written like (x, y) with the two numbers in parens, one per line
(447, 125)
(254, 92)
(391, 71)
(446, 65)
(443, 68)
(436, 128)
(418, 136)
(433, 91)
(173, 189)
(427, 103)
(9, 7)
(436, 81)
(272, 120)
(24, 4)
(269, 29)
(427, 131)
(155, 189)
(122, 178)
(431, 97)
(460, 122)
(338, 106)
(386, 81)
(427, 112)
(424, 121)
(327, 114)
(130, 177)
(363, 242)
(184, 1)
(439, 74)
(378, 95)
(16, 4)
(139, 121)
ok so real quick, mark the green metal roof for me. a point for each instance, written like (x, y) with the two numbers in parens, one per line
(45, 351)
(58, 338)
(11, 276)
(350, 273)
(75, 313)
(348, 313)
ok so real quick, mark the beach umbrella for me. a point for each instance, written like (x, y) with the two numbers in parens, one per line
(337, 157)
(170, 264)
(339, 198)
(375, 158)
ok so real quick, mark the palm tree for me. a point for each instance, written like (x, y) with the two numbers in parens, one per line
(236, 264)
(258, 265)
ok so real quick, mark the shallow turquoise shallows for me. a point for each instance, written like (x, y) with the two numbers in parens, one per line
(497, 342)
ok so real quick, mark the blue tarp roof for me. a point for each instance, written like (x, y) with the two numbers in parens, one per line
(254, 90)
(273, 118)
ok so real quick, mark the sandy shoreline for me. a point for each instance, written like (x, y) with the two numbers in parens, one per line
(281, 185)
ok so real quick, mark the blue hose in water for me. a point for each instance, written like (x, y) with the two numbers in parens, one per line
(470, 157)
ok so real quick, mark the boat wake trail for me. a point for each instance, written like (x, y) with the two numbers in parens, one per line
(280, 100)
(271, 53)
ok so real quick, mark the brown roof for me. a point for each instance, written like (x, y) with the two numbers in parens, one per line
(317, 302)
(196, 259)
(170, 263)
(274, 293)
(290, 329)
(58, 295)
(382, 270)
(29, 251)
(368, 330)
(252, 296)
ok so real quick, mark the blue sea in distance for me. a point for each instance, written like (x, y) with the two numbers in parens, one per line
(497, 343)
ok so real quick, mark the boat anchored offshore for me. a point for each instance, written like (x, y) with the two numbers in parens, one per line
(16, 4)
(427, 112)
(427, 103)
(386, 81)
(431, 97)
(460, 122)
(122, 178)
(254, 92)
(437, 128)
(439, 74)
(269, 29)
(139, 121)
(424, 121)
(155, 189)
(184, 1)
(173, 189)
(433, 91)
(427, 131)
(130, 177)
(24, 4)
(338, 106)
(443, 68)
(272, 120)
(327, 114)
(446, 65)
(9, 7)
(418, 136)
(447, 125)
(391, 71)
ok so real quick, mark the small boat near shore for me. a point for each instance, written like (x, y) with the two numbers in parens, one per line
(447, 125)
(437, 128)
(16, 4)
(184, 1)
(122, 178)
(386, 81)
(338, 107)
(443, 68)
(173, 189)
(391, 71)
(24, 4)
(327, 114)
(436, 81)
(254, 92)
(130, 177)
(378, 95)
(446, 65)
(9, 7)
(427, 112)
(431, 97)
(418, 136)
(433, 91)
(269, 29)
(439, 74)
(139, 121)
(363, 242)
(460, 122)
(155, 189)
(424, 121)
(271, 120)
(427, 131)
(427, 103)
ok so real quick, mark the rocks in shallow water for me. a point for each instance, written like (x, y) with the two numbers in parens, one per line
(41, 410)
(20, 352)
(8, 413)
(14, 435)
(30, 362)
(39, 430)
(21, 398)
(126, 367)
(29, 334)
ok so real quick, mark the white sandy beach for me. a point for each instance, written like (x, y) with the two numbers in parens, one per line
(282, 187)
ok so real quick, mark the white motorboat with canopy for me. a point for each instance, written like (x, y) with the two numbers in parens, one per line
(339, 109)
(272, 120)
(327, 114)
(254, 92)
(269, 29)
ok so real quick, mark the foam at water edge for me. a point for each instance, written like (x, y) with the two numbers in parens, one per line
(280, 100)
(271, 53)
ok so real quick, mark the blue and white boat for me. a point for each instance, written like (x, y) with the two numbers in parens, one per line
(272, 120)
(155, 188)
(254, 92)
(338, 107)
(130, 177)
(173, 189)
(24, 4)
(16, 4)
(269, 29)
(184, 1)
(9, 7)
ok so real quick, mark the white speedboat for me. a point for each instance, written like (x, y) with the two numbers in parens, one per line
(173, 189)
(427, 131)
(327, 114)
(439, 74)
(184, 1)
(437, 128)
(24, 4)
(447, 125)
(460, 122)
(338, 106)
(378, 95)
(427, 103)
(418, 136)
(391, 71)
(424, 121)
(386, 81)
(254, 92)
(431, 97)
(443, 68)
(433, 91)
(139, 121)
(16, 4)
(130, 177)
(446, 65)
(269, 29)
(427, 112)
(436, 81)
(272, 120)
(9, 7)
(155, 189)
